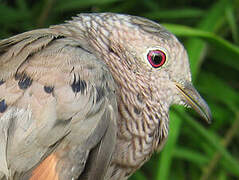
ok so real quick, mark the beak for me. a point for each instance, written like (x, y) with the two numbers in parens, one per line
(193, 98)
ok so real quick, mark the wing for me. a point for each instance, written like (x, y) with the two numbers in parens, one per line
(57, 109)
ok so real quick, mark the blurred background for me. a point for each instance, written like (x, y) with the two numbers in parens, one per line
(209, 31)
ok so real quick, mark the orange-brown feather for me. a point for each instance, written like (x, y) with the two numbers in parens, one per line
(47, 169)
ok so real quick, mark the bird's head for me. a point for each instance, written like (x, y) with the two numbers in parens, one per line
(145, 58)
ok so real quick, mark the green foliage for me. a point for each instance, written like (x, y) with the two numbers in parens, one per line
(209, 31)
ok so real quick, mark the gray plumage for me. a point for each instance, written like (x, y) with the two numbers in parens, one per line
(83, 100)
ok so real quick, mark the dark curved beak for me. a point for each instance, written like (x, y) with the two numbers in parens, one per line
(193, 99)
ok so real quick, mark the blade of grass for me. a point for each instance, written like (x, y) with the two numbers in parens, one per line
(229, 59)
(48, 5)
(222, 175)
(212, 141)
(226, 141)
(190, 155)
(175, 13)
(232, 22)
(219, 113)
(211, 22)
(224, 51)
(215, 40)
(223, 164)
(223, 93)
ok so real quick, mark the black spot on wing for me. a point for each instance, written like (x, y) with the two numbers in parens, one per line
(48, 89)
(84, 49)
(24, 81)
(78, 85)
(3, 106)
(100, 93)
(136, 110)
(2, 82)
(62, 122)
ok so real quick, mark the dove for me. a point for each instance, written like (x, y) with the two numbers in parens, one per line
(90, 98)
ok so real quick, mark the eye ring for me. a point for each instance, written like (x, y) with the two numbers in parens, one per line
(156, 58)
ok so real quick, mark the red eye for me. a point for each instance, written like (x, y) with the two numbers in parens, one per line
(156, 58)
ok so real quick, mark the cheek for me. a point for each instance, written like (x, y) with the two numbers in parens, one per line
(177, 98)
(164, 90)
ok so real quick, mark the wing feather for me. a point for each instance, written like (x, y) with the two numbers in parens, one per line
(57, 97)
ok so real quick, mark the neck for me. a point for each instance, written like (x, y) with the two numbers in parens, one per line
(139, 108)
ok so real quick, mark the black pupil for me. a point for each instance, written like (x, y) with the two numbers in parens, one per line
(157, 58)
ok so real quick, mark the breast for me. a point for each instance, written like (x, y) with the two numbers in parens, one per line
(137, 137)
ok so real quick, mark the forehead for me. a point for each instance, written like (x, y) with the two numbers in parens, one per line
(142, 34)
(111, 21)
(136, 24)
(138, 31)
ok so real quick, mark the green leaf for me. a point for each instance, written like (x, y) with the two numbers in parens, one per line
(212, 141)
(222, 175)
(212, 21)
(225, 57)
(175, 13)
(190, 155)
(222, 93)
(215, 40)
(232, 21)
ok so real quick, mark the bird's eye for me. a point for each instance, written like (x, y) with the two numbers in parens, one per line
(156, 58)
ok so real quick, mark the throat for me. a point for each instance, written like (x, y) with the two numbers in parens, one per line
(138, 136)
(138, 131)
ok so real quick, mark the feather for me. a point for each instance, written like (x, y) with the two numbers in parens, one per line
(47, 169)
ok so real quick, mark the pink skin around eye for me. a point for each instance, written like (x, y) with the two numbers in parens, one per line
(154, 53)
